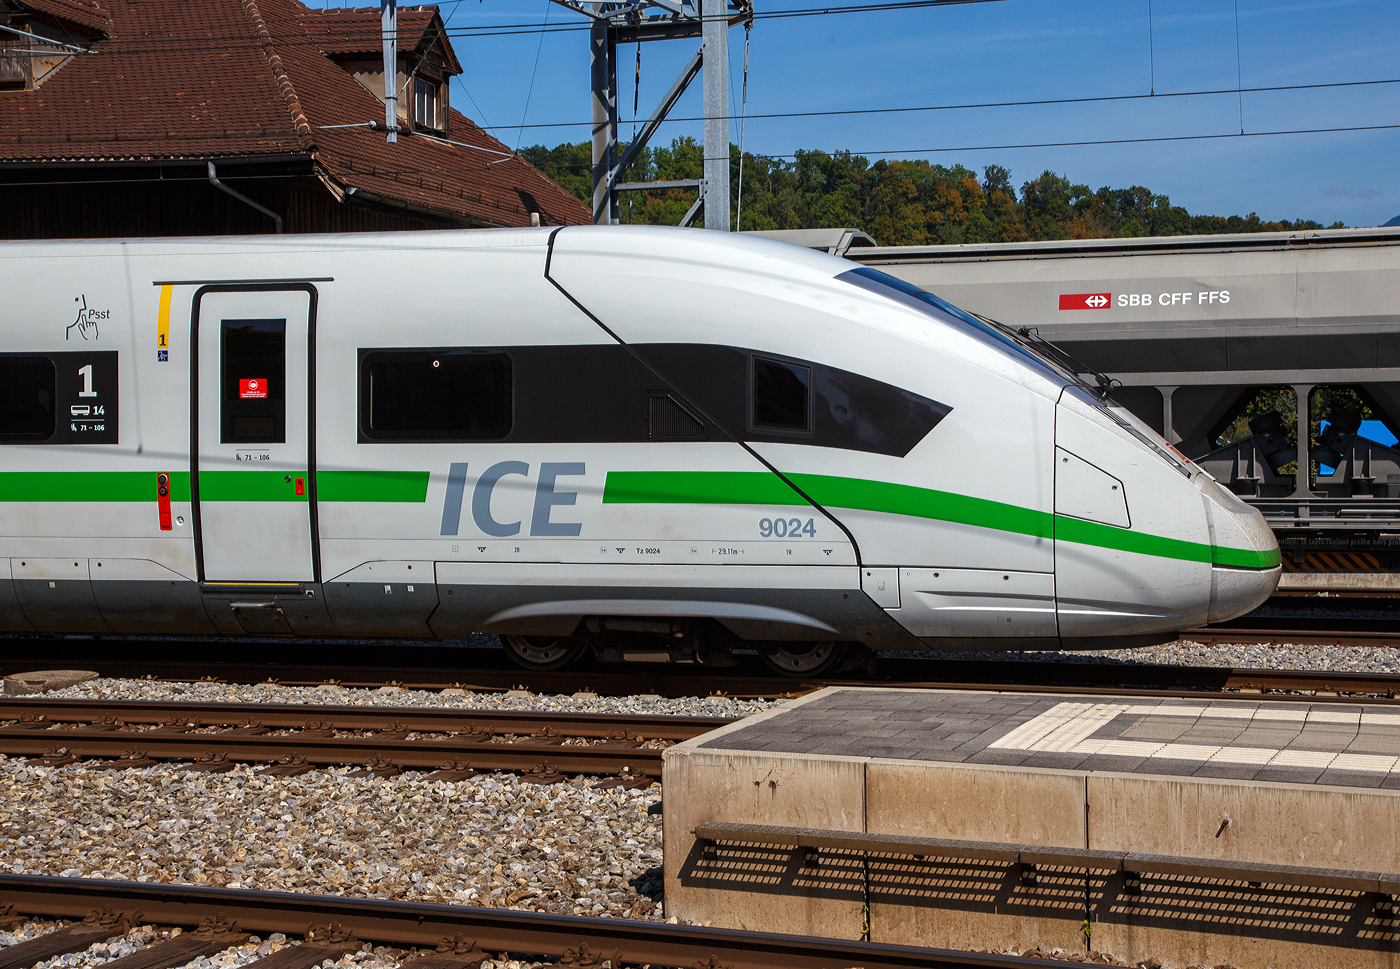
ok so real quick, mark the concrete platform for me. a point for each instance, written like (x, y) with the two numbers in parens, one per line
(1249, 780)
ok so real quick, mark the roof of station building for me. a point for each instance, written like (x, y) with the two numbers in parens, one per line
(356, 30)
(183, 80)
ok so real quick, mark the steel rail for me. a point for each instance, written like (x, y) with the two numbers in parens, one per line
(1319, 686)
(494, 930)
(957, 674)
(333, 751)
(430, 666)
(1263, 688)
(1008, 675)
(489, 671)
(174, 743)
(1317, 681)
(1301, 636)
(282, 716)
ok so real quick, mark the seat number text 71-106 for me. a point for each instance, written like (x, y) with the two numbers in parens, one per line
(786, 528)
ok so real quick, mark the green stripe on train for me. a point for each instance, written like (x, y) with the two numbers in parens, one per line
(401, 486)
(250, 485)
(89, 486)
(764, 488)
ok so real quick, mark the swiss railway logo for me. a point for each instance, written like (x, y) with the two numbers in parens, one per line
(1086, 301)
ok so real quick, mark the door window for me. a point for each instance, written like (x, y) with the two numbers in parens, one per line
(254, 405)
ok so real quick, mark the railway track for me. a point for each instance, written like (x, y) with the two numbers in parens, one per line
(1313, 620)
(461, 935)
(293, 738)
(1300, 634)
(1307, 620)
(487, 670)
(384, 739)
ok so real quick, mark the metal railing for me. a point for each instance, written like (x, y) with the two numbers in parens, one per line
(1132, 865)
(1358, 512)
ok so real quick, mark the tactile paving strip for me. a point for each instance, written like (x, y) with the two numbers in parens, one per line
(1286, 742)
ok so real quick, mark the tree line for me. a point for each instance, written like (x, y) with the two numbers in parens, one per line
(898, 202)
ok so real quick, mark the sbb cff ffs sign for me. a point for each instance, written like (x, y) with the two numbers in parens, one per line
(1102, 301)
(1086, 301)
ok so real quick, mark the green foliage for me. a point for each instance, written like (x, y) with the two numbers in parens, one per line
(899, 203)
(1323, 403)
(569, 165)
(1280, 399)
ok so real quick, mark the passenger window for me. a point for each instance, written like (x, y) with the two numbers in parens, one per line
(27, 393)
(781, 395)
(435, 395)
(254, 382)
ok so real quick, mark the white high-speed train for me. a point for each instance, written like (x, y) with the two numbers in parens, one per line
(655, 443)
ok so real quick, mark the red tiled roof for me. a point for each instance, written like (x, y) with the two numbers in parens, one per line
(195, 79)
(351, 31)
(83, 12)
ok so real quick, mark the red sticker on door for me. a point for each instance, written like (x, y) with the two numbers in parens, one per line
(252, 388)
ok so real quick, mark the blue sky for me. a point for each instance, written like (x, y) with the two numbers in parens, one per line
(1017, 50)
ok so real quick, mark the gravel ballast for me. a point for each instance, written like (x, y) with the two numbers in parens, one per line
(113, 688)
(492, 840)
(1337, 659)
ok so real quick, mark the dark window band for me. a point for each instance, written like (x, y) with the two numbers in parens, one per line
(603, 394)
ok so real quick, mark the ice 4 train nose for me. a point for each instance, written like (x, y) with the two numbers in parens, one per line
(1245, 561)
(1146, 543)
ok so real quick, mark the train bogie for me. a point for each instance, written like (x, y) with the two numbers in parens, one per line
(651, 443)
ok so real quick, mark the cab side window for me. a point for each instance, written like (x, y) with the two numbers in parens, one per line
(780, 396)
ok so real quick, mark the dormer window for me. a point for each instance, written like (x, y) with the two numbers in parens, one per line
(424, 65)
(31, 51)
(426, 112)
(14, 63)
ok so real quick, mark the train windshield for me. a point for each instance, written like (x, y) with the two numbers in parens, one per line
(1004, 336)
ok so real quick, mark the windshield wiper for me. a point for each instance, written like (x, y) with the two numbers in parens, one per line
(1029, 336)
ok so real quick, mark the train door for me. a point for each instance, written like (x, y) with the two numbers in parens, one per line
(253, 482)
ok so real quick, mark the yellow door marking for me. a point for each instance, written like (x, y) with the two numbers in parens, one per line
(163, 320)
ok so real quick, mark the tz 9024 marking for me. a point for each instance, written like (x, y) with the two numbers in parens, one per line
(787, 528)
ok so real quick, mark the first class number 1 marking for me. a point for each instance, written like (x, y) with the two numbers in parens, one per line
(787, 528)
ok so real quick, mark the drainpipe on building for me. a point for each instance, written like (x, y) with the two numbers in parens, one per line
(214, 180)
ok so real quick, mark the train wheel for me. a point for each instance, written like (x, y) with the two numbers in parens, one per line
(805, 659)
(543, 652)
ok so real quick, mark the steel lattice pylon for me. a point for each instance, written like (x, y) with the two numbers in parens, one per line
(628, 23)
